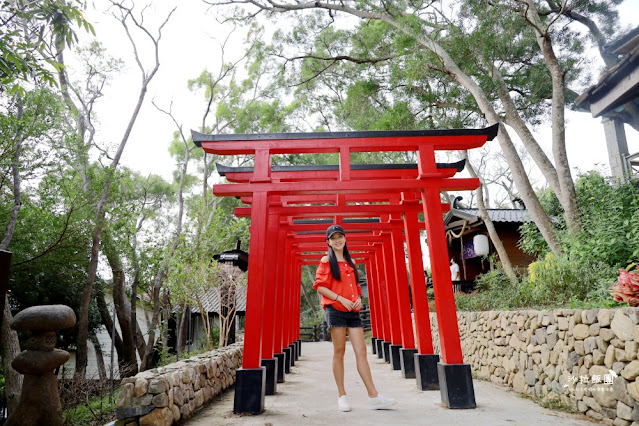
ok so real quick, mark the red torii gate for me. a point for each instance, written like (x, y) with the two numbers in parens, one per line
(399, 348)
(454, 376)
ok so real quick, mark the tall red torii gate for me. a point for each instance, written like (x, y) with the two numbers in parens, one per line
(454, 376)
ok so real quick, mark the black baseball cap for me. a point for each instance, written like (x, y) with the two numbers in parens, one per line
(333, 229)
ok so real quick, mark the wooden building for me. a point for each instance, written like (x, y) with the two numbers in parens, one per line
(463, 225)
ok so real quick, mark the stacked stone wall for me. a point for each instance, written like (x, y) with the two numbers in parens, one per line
(173, 393)
(585, 360)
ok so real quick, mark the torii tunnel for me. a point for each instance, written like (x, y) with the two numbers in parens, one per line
(379, 206)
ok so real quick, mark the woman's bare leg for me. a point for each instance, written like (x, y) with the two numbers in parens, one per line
(338, 335)
(356, 335)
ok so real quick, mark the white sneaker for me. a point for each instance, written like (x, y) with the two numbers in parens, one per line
(380, 402)
(342, 404)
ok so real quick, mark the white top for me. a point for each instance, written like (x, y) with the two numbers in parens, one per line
(454, 272)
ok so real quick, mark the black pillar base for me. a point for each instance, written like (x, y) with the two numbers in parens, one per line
(395, 362)
(407, 363)
(426, 371)
(380, 348)
(281, 360)
(287, 362)
(298, 342)
(250, 384)
(271, 375)
(293, 357)
(456, 385)
(387, 350)
(374, 345)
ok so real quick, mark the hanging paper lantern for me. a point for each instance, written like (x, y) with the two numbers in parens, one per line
(480, 243)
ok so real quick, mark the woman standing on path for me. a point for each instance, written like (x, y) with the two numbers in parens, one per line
(337, 281)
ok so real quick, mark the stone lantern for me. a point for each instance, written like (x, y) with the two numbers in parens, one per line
(40, 401)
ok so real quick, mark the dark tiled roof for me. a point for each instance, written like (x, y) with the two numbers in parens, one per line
(503, 215)
(198, 138)
(211, 303)
(625, 43)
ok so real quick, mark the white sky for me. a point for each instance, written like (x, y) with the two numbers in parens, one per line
(189, 46)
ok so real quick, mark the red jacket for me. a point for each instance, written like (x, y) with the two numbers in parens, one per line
(347, 287)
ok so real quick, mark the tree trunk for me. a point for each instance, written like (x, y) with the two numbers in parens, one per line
(165, 329)
(81, 123)
(155, 321)
(9, 338)
(139, 338)
(140, 344)
(123, 310)
(10, 349)
(227, 295)
(182, 328)
(98, 355)
(206, 324)
(568, 195)
(514, 120)
(490, 226)
(85, 301)
(226, 318)
(107, 321)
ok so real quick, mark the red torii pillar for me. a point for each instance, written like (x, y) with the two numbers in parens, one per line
(425, 359)
(280, 307)
(454, 376)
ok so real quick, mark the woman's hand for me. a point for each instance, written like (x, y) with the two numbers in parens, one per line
(357, 305)
(348, 304)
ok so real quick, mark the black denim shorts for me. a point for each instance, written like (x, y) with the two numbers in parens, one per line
(336, 318)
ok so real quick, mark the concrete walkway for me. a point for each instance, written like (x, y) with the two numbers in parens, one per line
(309, 396)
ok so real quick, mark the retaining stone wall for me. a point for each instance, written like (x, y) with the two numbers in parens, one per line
(173, 393)
(583, 359)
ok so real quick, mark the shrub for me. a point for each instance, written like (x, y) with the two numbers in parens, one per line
(609, 218)
(551, 282)
(494, 291)
(557, 280)
(495, 280)
(609, 239)
(87, 401)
